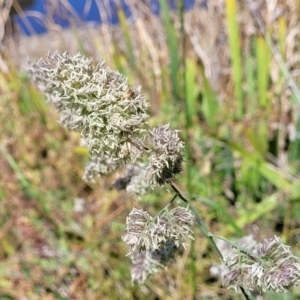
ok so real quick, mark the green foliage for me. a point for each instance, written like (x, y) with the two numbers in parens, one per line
(263, 54)
(172, 42)
(235, 46)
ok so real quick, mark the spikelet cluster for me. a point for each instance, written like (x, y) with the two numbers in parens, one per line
(134, 180)
(110, 115)
(147, 263)
(145, 233)
(96, 101)
(165, 159)
(225, 248)
(100, 166)
(266, 266)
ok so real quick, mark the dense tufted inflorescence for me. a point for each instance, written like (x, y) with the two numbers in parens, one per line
(269, 265)
(96, 101)
(144, 233)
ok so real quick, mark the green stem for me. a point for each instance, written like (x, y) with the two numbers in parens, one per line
(201, 224)
(163, 210)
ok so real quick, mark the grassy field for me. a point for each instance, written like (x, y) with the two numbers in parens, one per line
(227, 76)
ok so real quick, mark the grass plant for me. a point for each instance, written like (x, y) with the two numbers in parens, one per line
(232, 89)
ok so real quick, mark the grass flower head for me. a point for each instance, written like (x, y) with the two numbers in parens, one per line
(165, 159)
(96, 101)
(144, 233)
(269, 265)
(147, 263)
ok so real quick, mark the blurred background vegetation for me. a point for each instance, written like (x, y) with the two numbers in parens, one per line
(226, 74)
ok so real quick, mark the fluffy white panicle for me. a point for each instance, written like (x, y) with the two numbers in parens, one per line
(269, 265)
(96, 101)
(144, 233)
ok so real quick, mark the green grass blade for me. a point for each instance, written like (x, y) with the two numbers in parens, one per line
(267, 170)
(119, 59)
(282, 35)
(230, 221)
(126, 33)
(173, 49)
(210, 102)
(257, 211)
(190, 86)
(234, 42)
(273, 174)
(191, 91)
(251, 85)
(30, 192)
(263, 55)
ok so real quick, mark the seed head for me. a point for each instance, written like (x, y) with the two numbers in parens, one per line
(147, 263)
(144, 233)
(247, 241)
(134, 180)
(100, 166)
(95, 101)
(269, 265)
(165, 159)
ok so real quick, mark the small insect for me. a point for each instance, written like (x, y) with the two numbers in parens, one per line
(131, 93)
